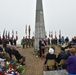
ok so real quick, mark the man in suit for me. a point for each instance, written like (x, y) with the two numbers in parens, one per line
(42, 44)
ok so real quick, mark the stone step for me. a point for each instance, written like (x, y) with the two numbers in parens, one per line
(56, 72)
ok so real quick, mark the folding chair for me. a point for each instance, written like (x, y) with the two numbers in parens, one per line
(7, 56)
(62, 64)
(15, 60)
(50, 65)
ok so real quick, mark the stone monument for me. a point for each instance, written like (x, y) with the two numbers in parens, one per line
(39, 24)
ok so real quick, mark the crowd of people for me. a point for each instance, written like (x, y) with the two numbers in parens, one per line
(67, 52)
(61, 40)
(11, 50)
(5, 41)
(27, 42)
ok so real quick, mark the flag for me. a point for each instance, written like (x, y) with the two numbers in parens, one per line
(55, 34)
(33, 35)
(4, 34)
(29, 29)
(0, 35)
(16, 35)
(49, 33)
(60, 34)
(12, 34)
(26, 30)
(8, 35)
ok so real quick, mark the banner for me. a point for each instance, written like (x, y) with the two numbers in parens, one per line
(60, 34)
(12, 34)
(8, 35)
(55, 34)
(26, 30)
(49, 33)
(4, 34)
(29, 29)
(0, 35)
(16, 35)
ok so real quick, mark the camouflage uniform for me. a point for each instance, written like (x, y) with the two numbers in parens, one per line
(32, 42)
(26, 41)
(23, 42)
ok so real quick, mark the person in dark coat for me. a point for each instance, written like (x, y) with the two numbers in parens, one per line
(8, 50)
(18, 56)
(1, 48)
(11, 41)
(66, 40)
(14, 41)
(50, 55)
(61, 55)
(0, 41)
(59, 40)
(48, 41)
(42, 46)
(1, 52)
(5, 42)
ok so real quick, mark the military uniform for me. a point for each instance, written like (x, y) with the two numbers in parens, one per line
(32, 41)
(26, 41)
(23, 43)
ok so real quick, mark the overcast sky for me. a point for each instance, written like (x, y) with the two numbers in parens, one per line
(58, 15)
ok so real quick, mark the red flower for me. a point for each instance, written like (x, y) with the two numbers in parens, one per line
(0, 73)
(10, 66)
(15, 68)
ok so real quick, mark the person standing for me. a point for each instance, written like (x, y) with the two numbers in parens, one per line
(66, 40)
(23, 42)
(26, 42)
(48, 41)
(62, 40)
(71, 62)
(59, 40)
(42, 44)
(14, 41)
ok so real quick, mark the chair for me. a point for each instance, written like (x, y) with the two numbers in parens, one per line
(50, 65)
(62, 64)
(7, 56)
(15, 60)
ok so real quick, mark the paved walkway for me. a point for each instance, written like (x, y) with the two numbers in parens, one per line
(34, 65)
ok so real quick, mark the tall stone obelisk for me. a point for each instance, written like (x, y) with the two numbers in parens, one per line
(39, 24)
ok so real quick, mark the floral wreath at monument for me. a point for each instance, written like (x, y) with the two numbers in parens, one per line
(7, 68)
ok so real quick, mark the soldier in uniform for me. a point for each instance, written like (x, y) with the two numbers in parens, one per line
(23, 42)
(26, 41)
(29, 42)
(32, 41)
(48, 41)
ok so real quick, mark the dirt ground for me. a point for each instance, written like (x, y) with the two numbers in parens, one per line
(34, 65)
